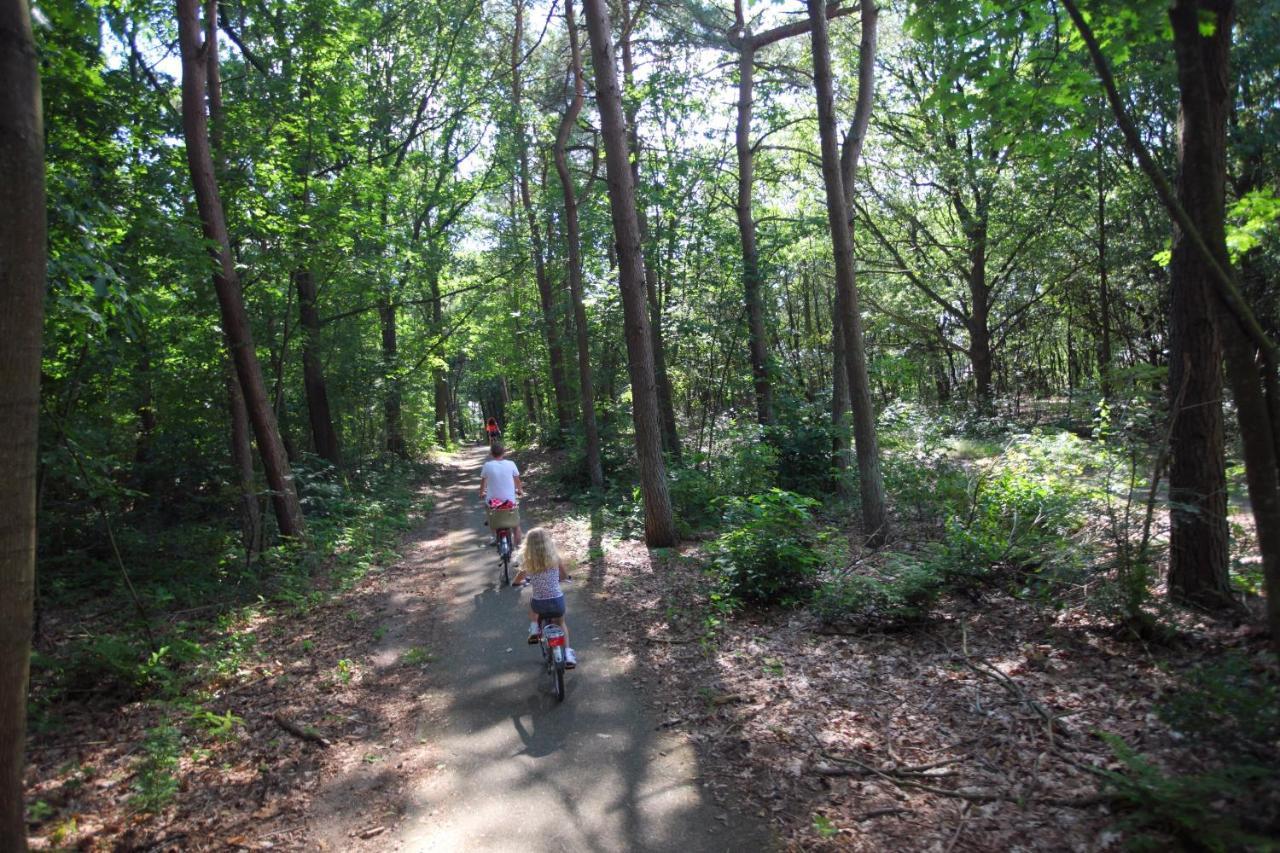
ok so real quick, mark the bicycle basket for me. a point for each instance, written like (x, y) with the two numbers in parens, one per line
(500, 518)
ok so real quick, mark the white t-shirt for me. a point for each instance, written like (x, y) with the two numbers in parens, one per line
(500, 479)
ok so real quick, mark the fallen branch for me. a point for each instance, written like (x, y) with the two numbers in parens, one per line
(874, 813)
(307, 734)
(974, 795)
(1051, 720)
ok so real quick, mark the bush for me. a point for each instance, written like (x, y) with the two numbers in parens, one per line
(693, 498)
(902, 590)
(748, 464)
(772, 553)
(1021, 511)
(1202, 811)
(803, 442)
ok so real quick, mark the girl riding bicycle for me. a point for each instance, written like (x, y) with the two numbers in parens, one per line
(543, 569)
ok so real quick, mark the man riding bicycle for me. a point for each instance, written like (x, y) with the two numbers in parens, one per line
(500, 485)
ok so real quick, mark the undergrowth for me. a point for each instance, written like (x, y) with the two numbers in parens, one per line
(197, 578)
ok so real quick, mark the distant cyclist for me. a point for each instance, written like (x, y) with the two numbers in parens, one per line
(500, 484)
(491, 427)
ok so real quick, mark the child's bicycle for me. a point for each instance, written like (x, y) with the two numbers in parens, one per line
(553, 643)
(503, 521)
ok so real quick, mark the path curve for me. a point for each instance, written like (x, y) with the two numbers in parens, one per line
(507, 767)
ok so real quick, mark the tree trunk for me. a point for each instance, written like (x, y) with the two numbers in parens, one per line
(1104, 286)
(1197, 477)
(242, 464)
(22, 284)
(250, 512)
(979, 320)
(586, 385)
(555, 352)
(323, 436)
(660, 530)
(751, 279)
(871, 483)
(226, 280)
(850, 154)
(666, 406)
(391, 404)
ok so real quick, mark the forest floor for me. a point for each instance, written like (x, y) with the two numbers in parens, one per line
(988, 726)
(407, 713)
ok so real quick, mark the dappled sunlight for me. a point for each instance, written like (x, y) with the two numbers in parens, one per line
(504, 765)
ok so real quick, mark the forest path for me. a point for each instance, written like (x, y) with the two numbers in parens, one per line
(488, 759)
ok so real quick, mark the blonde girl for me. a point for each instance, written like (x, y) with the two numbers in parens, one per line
(542, 568)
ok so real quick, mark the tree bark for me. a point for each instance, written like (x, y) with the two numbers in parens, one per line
(323, 436)
(667, 412)
(555, 351)
(871, 482)
(1104, 285)
(226, 280)
(850, 155)
(242, 464)
(660, 530)
(392, 407)
(751, 279)
(1197, 476)
(22, 285)
(586, 385)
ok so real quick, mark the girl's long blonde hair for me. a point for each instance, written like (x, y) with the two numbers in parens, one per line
(540, 554)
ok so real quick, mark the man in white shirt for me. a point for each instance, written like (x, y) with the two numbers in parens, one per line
(500, 482)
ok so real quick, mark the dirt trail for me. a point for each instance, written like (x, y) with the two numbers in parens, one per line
(486, 759)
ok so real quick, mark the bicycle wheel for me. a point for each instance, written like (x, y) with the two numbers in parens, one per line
(506, 569)
(559, 682)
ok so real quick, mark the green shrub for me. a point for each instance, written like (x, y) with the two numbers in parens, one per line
(803, 443)
(772, 552)
(155, 780)
(1201, 811)
(902, 590)
(693, 497)
(1234, 702)
(747, 464)
(1021, 511)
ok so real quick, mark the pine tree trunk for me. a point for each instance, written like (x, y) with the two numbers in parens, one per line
(875, 515)
(660, 530)
(22, 285)
(226, 280)
(1197, 476)
(586, 385)
(662, 381)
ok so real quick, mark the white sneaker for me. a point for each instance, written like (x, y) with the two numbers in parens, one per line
(534, 633)
(570, 659)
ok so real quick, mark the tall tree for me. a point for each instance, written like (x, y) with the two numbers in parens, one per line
(659, 524)
(1202, 34)
(546, 294)
(667, 411)
(573, 240)
(22, 282)
(226, 280)
(875, 515)
(1197, 468)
